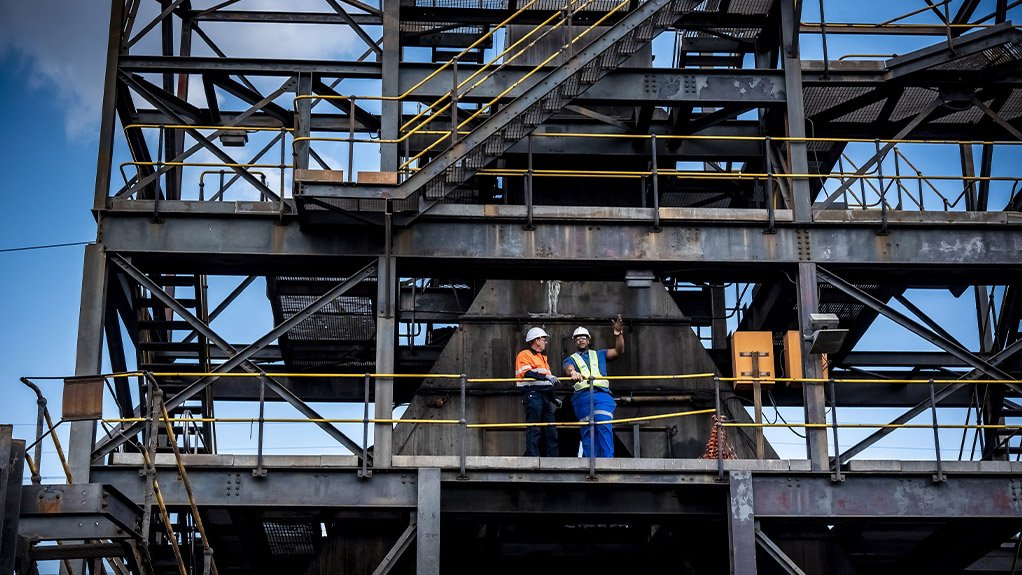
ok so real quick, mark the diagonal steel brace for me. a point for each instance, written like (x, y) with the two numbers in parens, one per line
(238, 358)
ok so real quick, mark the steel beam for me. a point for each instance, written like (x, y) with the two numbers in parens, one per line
(81, 511)
(880, 496)
(814, 393)
(300, 488)
(741, 530)
(386, 342)
(598, 235)
(427, 534)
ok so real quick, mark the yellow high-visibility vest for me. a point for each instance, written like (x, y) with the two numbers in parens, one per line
(591, 369)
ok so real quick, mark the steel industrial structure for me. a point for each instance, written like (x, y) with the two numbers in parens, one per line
(534, 167)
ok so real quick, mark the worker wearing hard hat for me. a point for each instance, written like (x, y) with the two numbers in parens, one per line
(592, 398)
(537, 384)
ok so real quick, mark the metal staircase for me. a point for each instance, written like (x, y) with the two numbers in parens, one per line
(519, 118)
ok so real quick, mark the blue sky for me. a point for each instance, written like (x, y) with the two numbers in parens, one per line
(52, 90)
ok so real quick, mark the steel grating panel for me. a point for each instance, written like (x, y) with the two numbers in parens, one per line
(1012, 107)
(742, 33)
(750, 7)
(1010, 52)
(290, 539)
(970, 115)
(912, 101)
(865, 114)
(347, 318)
(818, 99)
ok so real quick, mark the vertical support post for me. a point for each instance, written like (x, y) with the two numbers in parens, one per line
(454, 101)
(386, 340)
(351, 139)
(796, 121)
(883, 190)
(716, 429)
(390, 118)
(592, 429)
(259, 471)
(838, 474)
(656, 188)
(303, 127)
(939, 477)
(636, 441)
(463, 426)
(741, 525)
(427, 533)
(528, 185)
(109, 120)
(813, 392)
(718, 321)
(771, 190)
(364, 471)
(89, 357)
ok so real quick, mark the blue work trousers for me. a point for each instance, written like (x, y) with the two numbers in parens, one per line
(539, 407)
(603, 409)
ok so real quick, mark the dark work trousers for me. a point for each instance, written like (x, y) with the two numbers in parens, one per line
(539, 407)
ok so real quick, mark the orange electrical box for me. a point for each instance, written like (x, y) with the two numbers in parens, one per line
(793, 358)
(752, 352)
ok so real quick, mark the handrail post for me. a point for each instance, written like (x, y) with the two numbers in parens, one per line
(364, 472)
(259, 471)
(529, 225)
(656, 187)
(897, 177)
(454, 101)
(838, 475)
(883, 195)
(592, 429)
(351, 139)
(771, 192)
(463, 427)
(717, 427)
(283, 167)
(40, 401)
(939, 477)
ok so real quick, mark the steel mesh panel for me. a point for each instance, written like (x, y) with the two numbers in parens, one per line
(1010, 52)
(824, 98)
(1012, 107)
(347, 318)
(968, 116)
(743, 33)
(750, 7)
(442, 28)
(865, 114)
(289, 539)
(912, 101)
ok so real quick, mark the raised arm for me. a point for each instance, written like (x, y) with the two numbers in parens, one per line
(619, 339)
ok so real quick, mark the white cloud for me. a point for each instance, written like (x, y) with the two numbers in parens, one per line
(61, 45)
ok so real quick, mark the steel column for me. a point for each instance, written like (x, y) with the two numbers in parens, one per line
(89, 358)
(741, 524)
(386, 341)
(814, 393)
(390, 84)
(427, 537)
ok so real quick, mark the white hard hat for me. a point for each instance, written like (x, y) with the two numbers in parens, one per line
(581, 331)
(535, 333)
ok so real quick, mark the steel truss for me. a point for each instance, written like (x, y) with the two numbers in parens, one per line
(568, 171)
